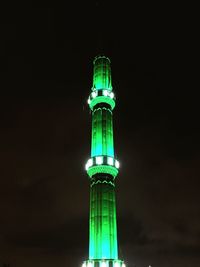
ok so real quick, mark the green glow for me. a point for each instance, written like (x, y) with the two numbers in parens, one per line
(103, 263)
(102, 73)
(102, 99)
(102, 133)
(102, 169)
(103, 229)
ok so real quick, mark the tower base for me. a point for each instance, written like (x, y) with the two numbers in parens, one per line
(103, 263)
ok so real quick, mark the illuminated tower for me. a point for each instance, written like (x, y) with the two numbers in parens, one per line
(102, 169)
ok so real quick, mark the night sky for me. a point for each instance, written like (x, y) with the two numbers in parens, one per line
(46, 75)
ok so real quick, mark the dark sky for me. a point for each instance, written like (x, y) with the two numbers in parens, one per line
(46, 74)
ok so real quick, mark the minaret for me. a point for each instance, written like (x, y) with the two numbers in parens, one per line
(102, 169)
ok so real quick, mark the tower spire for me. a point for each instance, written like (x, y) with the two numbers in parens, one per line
(102, 169)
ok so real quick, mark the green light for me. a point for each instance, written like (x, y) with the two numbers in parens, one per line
(102, 164)
(101, 99)
(103, 229)
(102, 133)
(102, 169)
(102, 73)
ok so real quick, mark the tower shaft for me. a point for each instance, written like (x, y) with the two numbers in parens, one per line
(103, 228)
(102, 132)
(102, 168)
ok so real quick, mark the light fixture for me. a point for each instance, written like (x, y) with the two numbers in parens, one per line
(110, 161)
(99, 160)
(117, 164)
(112, 95)
(105, 92)
(94, 94)
(117, 264)
(88, 164)
(103, 264)
(90, 264)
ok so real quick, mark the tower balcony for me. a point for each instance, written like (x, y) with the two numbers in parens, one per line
(101, 96)
(102, 164)
(104, 263)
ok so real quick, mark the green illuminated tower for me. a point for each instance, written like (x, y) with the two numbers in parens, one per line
(102, 169)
